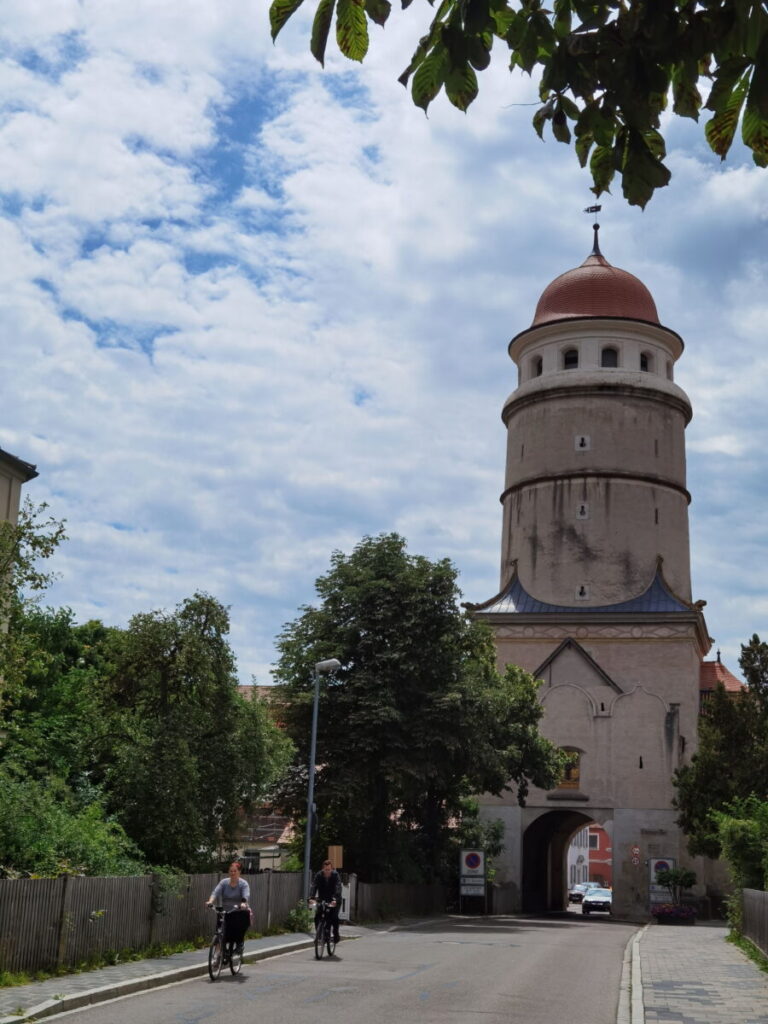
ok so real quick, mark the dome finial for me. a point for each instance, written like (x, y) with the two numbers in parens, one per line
(595, 228)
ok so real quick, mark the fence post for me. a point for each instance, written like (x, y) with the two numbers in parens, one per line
(154, 901)
(269, 900)
(61, 945)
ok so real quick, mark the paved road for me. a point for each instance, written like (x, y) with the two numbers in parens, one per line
(510, 970)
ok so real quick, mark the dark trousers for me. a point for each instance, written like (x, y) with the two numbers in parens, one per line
(332, 914)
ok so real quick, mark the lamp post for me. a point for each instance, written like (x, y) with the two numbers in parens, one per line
(329, 667)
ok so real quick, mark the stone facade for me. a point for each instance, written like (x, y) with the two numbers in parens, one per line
(595, 593)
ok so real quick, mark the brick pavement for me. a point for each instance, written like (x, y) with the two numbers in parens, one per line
(691, 975)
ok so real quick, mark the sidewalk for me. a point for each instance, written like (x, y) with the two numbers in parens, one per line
(691, 975)
(57, 995)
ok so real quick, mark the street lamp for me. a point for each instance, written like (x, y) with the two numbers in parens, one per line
(329, 667)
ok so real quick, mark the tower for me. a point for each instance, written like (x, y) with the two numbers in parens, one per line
(595, 595)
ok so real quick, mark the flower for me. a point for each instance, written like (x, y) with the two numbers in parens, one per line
(681, 910)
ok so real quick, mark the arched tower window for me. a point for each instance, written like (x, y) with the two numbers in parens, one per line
(571, 359)
(609, 357)
(572, 773)
(646, 362)
(537, 366)
(669, 370)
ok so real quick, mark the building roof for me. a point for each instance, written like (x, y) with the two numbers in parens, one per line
(714, 672)
(595, 289)
(515, 599)
(24, 469)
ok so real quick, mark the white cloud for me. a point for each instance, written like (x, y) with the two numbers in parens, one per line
(253, 311)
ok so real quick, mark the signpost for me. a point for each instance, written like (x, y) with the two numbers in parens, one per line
(472, 876)
(658, 893)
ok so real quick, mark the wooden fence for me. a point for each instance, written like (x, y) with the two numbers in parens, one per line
(60, 922)
(375, 901)
(755, 917)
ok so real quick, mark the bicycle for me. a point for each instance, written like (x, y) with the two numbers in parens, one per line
(324, 932)
(227, 942)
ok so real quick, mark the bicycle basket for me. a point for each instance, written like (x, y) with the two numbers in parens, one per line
(236, 924)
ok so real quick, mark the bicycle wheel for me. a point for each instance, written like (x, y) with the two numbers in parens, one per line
(329, 943)
(215, 957)
(320, 941)
(236, 957)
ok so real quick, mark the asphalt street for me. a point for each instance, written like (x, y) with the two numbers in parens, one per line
(515, 970)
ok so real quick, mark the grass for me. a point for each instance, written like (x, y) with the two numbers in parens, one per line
(749, 949)
(111, 957)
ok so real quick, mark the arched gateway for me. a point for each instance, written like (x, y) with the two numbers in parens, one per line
(595, 595)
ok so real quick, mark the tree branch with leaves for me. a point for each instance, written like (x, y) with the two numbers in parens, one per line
(607, 70)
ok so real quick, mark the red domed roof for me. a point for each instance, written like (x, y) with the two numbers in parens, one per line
(595, 289)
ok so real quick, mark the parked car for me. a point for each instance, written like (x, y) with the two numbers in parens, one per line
(596, 899)
(576, 892)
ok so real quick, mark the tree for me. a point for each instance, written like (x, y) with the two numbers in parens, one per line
(23, 545)
(607, 69)
(417, 718)
(46, 829)
(182, 752)
(731, 763)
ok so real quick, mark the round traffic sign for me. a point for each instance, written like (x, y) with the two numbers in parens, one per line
(473, 860)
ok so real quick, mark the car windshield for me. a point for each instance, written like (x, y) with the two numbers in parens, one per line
(599, 894)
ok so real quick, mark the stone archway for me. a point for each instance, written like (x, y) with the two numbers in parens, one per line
(545, 845)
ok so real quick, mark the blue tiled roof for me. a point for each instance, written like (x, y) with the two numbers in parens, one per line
(516, 599)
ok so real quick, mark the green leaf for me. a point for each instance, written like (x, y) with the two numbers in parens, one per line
(429, 78)
(582, 146)
(602, 167)
(685, 95)
(754, 133)
(461, 86)
(721, 129)
(560, 128)
(352, 29)
(725, 79)
(479, 51)
(642, 172)
(542, 115)
(279, 12)
(378, 10)
(320, 29)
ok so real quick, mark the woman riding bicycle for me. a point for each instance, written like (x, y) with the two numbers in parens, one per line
(232, 893)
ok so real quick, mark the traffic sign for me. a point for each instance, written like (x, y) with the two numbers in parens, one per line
(472, 862)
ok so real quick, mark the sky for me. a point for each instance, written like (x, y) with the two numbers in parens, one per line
(253, 310)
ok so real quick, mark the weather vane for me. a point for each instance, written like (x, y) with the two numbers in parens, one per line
(596, 227)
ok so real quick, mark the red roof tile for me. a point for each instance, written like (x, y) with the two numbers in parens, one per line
(714, 672)
(595, 289)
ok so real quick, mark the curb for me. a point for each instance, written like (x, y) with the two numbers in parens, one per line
(631, 1009)
(92, 996)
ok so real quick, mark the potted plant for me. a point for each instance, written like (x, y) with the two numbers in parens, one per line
(676, 911)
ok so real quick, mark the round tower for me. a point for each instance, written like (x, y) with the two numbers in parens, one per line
(595, 487)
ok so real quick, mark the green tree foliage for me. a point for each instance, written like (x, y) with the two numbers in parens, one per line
(23, 546)
(47, 830)
(607, 69)
(417, 718)
(182, 752)
(731, 763)
(743, 833)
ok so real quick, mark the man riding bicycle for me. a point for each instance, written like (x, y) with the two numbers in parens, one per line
(326, 886)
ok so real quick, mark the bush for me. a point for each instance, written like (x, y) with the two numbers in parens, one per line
(300, 919)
